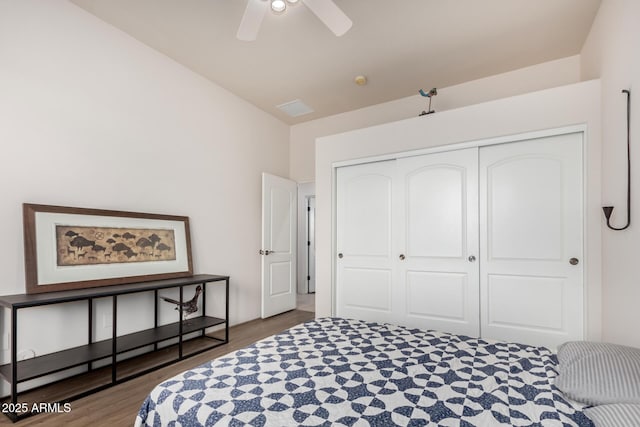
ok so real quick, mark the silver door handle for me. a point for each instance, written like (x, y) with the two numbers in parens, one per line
(401, 257)
(574, 261)
(472, 258)
(267, 252)
(340, 255)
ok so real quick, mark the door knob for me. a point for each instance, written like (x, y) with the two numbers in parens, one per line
(267, 252)
(401, 257)
(340, 255)
(472, 258)
(574, 261)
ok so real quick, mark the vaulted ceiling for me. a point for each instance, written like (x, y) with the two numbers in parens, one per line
(400, 46)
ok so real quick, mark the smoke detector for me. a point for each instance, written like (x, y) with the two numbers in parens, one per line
(360, 80)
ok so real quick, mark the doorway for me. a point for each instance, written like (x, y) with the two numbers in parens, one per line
(311, 244)
(306, 243)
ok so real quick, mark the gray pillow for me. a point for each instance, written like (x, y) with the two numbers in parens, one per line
(599, 373)
(616, 415)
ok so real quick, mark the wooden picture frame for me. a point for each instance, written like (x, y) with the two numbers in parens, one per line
(74, 248)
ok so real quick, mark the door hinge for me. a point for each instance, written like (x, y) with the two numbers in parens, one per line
(308, 208)
(308, 277)
(308, 243)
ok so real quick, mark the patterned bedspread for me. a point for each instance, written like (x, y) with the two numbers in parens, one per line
(347, 372)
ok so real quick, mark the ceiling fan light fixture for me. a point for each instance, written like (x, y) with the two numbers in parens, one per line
(278, 6)
(326, 11)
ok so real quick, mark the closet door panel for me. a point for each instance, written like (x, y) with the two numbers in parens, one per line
(366, 289)
(437, 295)
(367, 216)
(437, 233)
(435, 210)
(531, 215)
(526, 210)
(365, 263)
(516, 301)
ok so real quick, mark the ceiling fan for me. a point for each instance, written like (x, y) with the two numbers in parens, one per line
(325, 10)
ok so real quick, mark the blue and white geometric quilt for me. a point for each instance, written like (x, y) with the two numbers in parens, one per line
(339, 372)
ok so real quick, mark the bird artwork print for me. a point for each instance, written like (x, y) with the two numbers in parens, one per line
(188, 307)
(82, 245)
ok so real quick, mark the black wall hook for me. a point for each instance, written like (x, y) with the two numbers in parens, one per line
(608, 210)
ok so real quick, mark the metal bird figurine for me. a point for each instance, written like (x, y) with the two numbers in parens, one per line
(433, 92)
(188, 307)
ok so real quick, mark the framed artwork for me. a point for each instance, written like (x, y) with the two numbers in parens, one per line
(72, 248)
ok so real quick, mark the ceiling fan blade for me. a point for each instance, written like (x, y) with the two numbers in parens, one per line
(251, 20)
(329, 13)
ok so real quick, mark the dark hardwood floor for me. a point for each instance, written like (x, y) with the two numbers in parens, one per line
(119, 405)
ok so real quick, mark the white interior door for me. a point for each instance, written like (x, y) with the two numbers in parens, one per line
(365, 263)
(531, 279)
(437, 241)
(278, 245)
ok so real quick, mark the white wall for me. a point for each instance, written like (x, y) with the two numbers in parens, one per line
(90, 117)
(552, 108)
(612, 52)
(542, 76)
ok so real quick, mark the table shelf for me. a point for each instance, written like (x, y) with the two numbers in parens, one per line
(81, 355)
(107, 350)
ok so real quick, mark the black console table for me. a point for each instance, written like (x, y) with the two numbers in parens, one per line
(17, 372)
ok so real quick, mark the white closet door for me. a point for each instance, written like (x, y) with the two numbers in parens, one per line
(365, 263)
(437, 241)
(531, 278)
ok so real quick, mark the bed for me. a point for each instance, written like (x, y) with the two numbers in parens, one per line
(334, 371)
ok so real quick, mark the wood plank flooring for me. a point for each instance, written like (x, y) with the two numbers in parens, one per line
(119, 405)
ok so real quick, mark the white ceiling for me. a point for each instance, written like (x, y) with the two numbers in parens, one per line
(401, 46)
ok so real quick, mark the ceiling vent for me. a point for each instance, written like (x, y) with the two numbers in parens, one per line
(295, 108)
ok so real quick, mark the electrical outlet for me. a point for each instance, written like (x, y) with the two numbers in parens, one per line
(106, 321)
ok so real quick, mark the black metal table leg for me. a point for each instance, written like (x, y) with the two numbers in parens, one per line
(90, 329)
(155, 314)
(14, 361)
(114, 346)
(204, 305)
(180, 324)
(226, 316)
